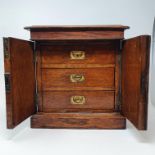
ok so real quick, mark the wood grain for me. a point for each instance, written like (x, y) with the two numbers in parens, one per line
(78, 35)
(20, 99)
(75, 66)
(60, 78)
(79, 120)
(75, 27)
(38, 77)
(77, 32)
(60, 100)
(94, 54)
(107, 84)
(118, 80)
(135, 72)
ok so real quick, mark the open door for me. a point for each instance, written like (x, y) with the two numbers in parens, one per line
(135, 76)
(19, 80)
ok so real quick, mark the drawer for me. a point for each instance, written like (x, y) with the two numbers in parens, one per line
(63, 100)
(78, 79)
(78, 54)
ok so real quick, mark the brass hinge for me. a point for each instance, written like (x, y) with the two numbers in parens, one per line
(7, 82)
(36, 98)
(35, 68)
(34, 46)
(121, 45)
(119, 97)
(119, 100)
(6, 48)
(36, 101)
(143, 83)
(34, 53)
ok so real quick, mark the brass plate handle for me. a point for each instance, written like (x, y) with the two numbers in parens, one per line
(78, 100)
(77, 78)
(77, 55)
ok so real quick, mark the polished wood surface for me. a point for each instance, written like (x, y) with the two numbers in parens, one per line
(61, 100)
(77, 32)
(20, 99)
(92, 35)
(84, 77)
(76, 66)
(75, 27)
(94, 77)
(79, 120)
(94, 54)
(38, 77)
(135, 71)
(118, 80)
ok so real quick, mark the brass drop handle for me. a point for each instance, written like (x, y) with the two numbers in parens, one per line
(77, 99)
(77, 55)
(77, 78)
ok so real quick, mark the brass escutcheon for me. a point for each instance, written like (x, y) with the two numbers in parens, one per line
(77, 78)
(77, 55)
(77, 100)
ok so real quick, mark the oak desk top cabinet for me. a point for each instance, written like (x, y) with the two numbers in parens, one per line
(77, 77)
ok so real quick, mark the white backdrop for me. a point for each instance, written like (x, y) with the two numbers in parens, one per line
(14, 15)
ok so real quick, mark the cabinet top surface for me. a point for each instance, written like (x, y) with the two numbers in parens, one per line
(76, 27)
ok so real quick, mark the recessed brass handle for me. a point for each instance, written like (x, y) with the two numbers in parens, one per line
(78, 100)
(77, 78)
(77, 55)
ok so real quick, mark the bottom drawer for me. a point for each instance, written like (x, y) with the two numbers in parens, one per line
(86, 120)
(74, 100)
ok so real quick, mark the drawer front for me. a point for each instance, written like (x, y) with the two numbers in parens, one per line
(90, 54)
(78, 100)
(78, 79)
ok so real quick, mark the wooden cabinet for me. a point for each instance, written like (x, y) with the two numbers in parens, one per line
(77, 77)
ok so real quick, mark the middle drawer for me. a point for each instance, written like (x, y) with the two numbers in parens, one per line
(78, 79)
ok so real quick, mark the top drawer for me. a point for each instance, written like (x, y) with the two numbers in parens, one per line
(79, 54)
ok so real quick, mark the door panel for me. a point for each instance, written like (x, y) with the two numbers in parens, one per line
(19, 80)
(135, 72)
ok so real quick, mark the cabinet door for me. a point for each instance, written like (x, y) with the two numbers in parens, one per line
(135, 76)
(19, 80)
